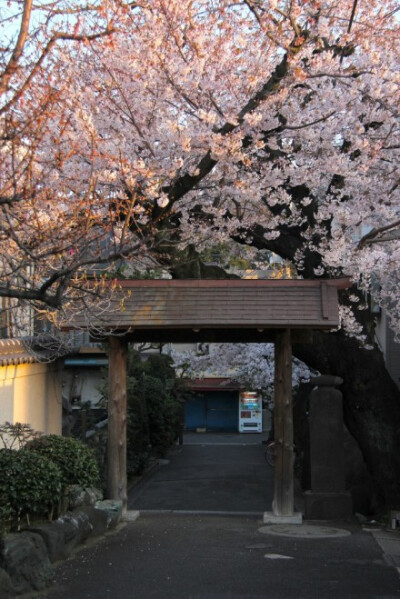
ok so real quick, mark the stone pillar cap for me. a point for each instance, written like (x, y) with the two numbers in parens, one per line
(326, 380)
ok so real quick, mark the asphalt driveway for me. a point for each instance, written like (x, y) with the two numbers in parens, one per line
(219, 473)
(177, 556)
(189, 542)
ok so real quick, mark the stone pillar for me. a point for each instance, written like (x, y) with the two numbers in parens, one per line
(327, 499)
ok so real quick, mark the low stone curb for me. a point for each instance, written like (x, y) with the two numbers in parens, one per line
(27, 557)
(389, 542)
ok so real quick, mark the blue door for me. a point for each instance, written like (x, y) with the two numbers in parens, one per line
(213, 410)
(195, 413)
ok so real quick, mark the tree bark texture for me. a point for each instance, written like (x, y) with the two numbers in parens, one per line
(283, 503)
(371, 406)
(117, 406)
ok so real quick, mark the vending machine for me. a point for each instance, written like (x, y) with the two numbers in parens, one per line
(250, 412)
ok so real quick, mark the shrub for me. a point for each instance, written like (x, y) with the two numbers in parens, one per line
(154, 420)
(162, 411)
(154, 414)
(138, 437)
(17, 434)
(76, 460)
(5, 512)
(31, 484)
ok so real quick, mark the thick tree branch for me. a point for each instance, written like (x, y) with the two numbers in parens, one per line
(19, 47)
(376, 235)
(31, 295)
(187, 182)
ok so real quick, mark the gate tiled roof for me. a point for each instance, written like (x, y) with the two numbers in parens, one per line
(150, 308)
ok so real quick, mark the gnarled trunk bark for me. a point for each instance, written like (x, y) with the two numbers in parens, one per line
(371, 403)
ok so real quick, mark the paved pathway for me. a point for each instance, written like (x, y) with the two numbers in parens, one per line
(225, 473)
(170, 554)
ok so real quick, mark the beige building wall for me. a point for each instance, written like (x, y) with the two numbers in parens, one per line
(31, 394)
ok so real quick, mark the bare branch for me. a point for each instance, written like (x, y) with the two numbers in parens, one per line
(16, 55)
(46, 51)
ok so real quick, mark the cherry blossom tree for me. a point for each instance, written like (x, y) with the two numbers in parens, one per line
(276, 125)
(212, 121)
(45, 227)
(249, 364)
(210, 118)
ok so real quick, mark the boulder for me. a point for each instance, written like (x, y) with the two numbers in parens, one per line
(64, 534)
(98, 518)
(7, 589)
(53, 536)
(113, 509)
(78, 496)
(24, 557)
(77, 528)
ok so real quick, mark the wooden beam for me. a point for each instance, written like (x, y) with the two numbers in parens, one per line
(283, 503)
(324, 301)
(117, 400)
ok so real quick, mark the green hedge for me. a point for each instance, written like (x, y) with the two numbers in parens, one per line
(154, 412)
(34, 478)
(30, 484)
(75, 460)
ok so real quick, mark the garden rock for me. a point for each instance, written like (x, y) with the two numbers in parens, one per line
(113, 509)
(24, 557)
(78, 496)
(98, 519)
(77, 528)
(54, 539)
(63, 535)
(6, 587)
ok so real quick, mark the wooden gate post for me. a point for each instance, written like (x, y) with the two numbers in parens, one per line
(117, 394)
(283, 502)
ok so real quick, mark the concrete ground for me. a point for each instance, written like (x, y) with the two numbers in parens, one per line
(200, 535)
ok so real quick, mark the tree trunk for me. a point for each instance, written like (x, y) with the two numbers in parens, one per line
(371, 406)
(117, 395)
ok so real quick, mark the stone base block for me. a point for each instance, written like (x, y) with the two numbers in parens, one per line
(131, 515)
(271, 518)
(6, 587)
(113, 509)
(327, 506)
(394, 518)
